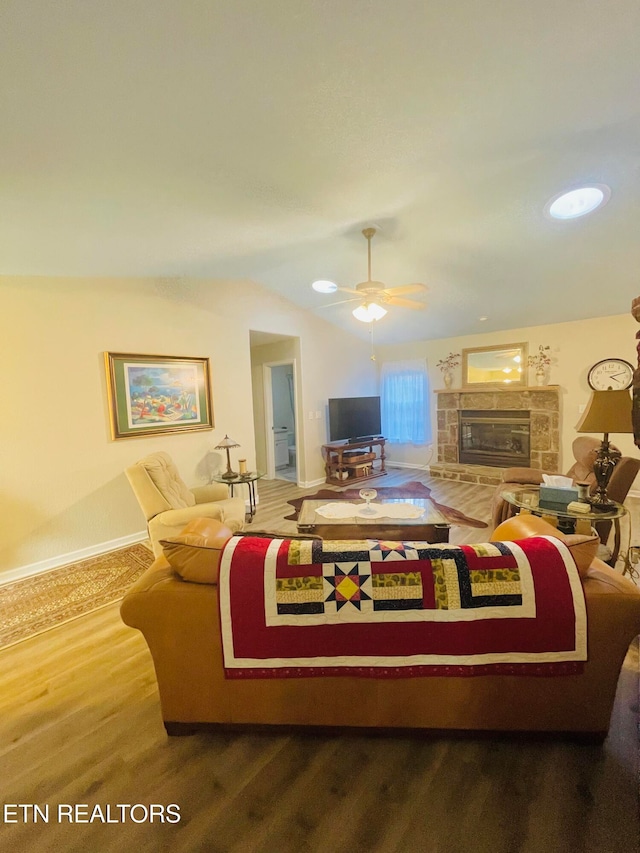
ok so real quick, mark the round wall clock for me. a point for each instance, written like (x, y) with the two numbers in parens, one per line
(613, 373)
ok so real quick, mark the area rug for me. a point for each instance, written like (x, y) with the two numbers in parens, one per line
(412, 489)
(36, 604)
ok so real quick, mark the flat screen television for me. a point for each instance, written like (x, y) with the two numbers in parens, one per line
(354, 417)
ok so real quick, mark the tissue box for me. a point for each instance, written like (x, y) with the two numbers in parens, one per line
(553, 498)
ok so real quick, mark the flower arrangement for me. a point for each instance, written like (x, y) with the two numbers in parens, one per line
(447, 364)
(541, 359)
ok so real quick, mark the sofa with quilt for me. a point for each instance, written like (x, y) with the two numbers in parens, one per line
(526, 633)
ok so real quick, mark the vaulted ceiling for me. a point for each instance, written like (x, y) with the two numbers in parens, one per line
(256, 139)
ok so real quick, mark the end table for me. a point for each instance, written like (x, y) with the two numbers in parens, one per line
(250, 479)
(528, 499)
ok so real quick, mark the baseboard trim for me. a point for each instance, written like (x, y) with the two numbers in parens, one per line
(414, 465)
(180, 729)
(31, 569)
(311, 484)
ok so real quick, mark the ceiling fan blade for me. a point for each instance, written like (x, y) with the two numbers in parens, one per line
(341, 302)
(404, 303)
(349, 290)
(405, 289)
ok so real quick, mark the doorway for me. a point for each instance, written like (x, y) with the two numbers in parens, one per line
(269, 351)
(280, 420)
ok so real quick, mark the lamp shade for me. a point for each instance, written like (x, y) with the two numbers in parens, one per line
(607, 411)
(225, 443)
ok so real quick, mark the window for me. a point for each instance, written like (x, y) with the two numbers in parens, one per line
(405, 402)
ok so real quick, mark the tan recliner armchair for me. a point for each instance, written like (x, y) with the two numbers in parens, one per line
(168, 504)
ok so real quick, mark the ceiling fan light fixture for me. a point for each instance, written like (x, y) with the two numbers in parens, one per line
(371, 293)
(324, 286)
(368, 312)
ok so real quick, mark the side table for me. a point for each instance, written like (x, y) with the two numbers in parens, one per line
(249, 479)
(528, 499)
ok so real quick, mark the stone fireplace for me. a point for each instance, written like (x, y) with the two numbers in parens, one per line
(532, 439)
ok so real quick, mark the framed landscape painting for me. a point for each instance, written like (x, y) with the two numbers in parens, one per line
(157, 394)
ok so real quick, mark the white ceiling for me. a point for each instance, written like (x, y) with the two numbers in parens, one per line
(256, 139)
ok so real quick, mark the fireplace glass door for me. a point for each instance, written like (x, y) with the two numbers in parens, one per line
(494, 438)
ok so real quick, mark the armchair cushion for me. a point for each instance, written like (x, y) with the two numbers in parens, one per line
(165, 477)
(211, 492)
(525, 476)
(584, 449)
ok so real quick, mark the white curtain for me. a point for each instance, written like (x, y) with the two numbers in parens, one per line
(404, 399)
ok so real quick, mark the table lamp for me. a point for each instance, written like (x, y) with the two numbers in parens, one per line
(607, 411)
(225, 444)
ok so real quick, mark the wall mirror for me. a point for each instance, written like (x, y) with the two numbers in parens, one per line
(502, 366)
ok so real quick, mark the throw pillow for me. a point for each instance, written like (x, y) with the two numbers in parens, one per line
(195, 553)
(583, 548)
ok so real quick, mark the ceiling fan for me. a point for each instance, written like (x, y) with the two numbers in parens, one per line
(373, 295)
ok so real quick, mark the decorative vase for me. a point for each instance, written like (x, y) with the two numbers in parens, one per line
(448, 379)
(540, 376)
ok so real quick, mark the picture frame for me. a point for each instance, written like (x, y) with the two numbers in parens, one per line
(157, 394)
(500, 366)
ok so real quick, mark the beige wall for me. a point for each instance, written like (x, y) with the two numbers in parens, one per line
(574, 346)
(62, 486)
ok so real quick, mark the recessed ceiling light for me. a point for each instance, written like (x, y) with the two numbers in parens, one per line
(482, 319)
(578, 202)
(324, 286)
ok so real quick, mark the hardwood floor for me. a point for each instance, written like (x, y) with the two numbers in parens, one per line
(80, 723)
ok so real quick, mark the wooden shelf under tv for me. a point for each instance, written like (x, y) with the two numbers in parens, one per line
(358, 467)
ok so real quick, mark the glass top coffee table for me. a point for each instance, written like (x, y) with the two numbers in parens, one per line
(427, 525)
(528, 499)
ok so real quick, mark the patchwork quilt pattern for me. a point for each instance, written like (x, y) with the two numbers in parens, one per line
(360, 580)
(300, 608)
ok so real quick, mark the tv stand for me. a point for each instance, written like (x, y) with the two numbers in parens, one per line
(353, 461)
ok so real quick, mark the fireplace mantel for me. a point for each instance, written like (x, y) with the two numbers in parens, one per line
(541, 389)
(542, 401)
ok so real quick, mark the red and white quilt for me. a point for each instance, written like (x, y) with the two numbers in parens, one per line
(300, 608)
